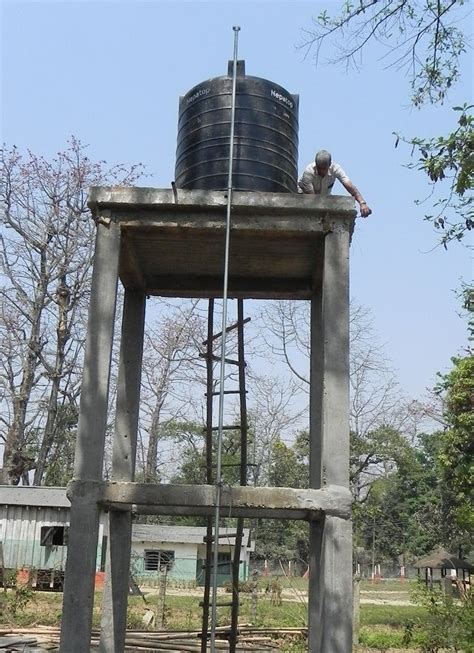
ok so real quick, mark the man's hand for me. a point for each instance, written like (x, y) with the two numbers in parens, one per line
(365, 210)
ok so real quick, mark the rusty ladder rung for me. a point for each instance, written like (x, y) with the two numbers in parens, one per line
(221, 564)
(229, 328)
(211, 539)
(230, 361)
(226, 392)
(219, 604)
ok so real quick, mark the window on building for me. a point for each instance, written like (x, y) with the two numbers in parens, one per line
(54, 535)
(224, 562)
(158, 560)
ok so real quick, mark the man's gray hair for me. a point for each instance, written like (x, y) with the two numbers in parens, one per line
(323, 158)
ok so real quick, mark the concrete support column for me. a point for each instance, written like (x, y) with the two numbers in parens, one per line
(330, 583)
(78, 597)
(115, 598)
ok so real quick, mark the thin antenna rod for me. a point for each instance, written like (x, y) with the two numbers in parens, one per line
(223, 350)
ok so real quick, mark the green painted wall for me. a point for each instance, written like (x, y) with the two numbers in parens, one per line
(184, 569)
(30, 553)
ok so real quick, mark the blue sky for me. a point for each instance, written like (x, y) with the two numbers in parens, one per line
(111, 74)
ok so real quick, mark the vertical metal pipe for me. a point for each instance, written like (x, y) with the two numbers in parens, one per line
(209, 478)
(223, 348)
(234, 627)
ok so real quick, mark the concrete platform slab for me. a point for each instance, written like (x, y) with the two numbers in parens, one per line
(174, 245)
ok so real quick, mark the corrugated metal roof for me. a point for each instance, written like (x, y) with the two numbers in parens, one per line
(55, 497)
(31, 495)
(191, 534)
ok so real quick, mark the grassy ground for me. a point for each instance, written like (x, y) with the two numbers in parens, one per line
(386, 586)
(382, 625)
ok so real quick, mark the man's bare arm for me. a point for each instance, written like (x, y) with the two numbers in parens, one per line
(365, 210)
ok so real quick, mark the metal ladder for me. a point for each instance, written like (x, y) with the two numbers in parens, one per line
(210, 467)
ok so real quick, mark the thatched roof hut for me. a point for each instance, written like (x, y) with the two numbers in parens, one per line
(440, 565)
(442, 559)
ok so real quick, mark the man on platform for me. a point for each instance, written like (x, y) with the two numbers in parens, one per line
(319, 178)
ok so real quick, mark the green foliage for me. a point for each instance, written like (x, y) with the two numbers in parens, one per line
(193, 467)
(60, 464)
(408, 512)
(449, 624)
(457, 450)
(450, 158)
(466, 296)
(389, 615)
(289, 466)
(381, 641)
(13, 601)
(382, 448)
(288, 540)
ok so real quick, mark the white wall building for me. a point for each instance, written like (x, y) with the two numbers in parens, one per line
(34, 525)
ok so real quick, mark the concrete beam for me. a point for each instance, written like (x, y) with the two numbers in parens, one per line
(267, 221)
(272, 503)
(102, 197)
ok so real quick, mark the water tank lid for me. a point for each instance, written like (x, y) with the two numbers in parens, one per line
(240, 68)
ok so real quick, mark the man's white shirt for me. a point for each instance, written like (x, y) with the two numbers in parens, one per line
(311, 182)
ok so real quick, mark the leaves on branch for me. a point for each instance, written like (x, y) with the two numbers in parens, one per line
(420, 38)
(449, 159)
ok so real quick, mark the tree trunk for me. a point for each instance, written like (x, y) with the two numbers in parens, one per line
(50, 429)
(10, 473)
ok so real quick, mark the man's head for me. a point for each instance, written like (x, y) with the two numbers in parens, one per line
(322, 161)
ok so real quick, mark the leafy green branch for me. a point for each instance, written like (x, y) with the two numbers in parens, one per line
(449, 159)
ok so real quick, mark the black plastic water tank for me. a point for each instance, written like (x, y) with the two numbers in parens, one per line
(265, 135)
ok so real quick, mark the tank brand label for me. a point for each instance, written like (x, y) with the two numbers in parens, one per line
(201, 93)
(281, 97)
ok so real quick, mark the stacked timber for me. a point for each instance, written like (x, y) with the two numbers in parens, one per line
(250, 640)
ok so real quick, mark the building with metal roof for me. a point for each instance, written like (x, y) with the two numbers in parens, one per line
(34, 525)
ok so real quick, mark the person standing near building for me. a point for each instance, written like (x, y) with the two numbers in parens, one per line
(319, 177)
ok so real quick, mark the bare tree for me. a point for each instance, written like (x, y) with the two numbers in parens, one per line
(273, 414)
(171, 360)
(423, 38)
(45, 264)
(377, 408)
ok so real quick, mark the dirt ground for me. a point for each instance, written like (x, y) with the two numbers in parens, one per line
(374, 597)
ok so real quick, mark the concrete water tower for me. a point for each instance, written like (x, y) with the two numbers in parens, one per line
(170, 242)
